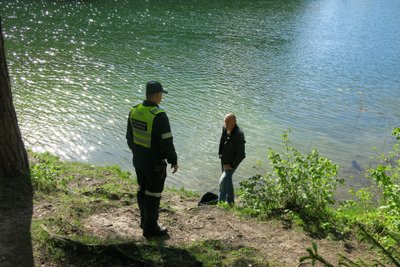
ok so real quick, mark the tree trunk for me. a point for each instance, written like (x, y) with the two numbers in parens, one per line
(13, 157)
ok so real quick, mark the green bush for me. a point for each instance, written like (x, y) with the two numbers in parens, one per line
(386, 176)
(383, 200)
(376, 209)
(303, 183)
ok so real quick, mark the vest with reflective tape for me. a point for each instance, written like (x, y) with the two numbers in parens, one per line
(142, 118)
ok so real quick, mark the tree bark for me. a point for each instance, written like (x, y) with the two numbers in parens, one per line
(14, 161)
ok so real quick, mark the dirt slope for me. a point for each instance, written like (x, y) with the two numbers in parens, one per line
(188, 223)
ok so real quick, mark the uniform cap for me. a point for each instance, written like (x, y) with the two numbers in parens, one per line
(153, 87)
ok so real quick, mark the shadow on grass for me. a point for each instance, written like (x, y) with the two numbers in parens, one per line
(317, 226)
(16, 208)
(155, 253)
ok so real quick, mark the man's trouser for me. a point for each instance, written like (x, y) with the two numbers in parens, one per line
(226, 191)
(151, 180)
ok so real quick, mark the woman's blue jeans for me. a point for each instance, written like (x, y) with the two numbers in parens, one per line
(226, 192)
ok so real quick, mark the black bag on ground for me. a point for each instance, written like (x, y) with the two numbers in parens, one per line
(208, 198)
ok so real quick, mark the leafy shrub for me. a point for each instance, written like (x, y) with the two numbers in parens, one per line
(386, 175)
(383, 219)
(377, 208)
(300, 182)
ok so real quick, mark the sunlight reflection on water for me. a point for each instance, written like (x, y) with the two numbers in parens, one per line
(77, 68)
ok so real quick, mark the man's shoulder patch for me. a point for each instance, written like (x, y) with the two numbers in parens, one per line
(156, 110)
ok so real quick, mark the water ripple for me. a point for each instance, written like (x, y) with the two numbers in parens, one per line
(78, 67)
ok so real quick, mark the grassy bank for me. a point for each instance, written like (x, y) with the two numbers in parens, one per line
(85, 215)
(66, 194)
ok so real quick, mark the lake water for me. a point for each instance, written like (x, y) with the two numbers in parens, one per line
(328, 69)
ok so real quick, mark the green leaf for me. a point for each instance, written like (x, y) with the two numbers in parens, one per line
(315, 248)
(303, 258)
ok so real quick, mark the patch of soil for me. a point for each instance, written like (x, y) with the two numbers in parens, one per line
(187, 223)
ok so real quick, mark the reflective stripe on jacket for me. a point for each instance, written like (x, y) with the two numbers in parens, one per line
(141, 118)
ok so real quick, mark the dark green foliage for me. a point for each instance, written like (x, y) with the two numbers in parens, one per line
(376, 243)
(343, 261)
(376, 216)
(378, 208)
(301, 183)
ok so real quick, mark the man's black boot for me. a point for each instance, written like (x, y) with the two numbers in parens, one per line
(140, 201)
(158, 231)
(151, 227)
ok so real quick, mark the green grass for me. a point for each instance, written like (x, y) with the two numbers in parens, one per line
(219, 253)
(184, 192)
(75, 191)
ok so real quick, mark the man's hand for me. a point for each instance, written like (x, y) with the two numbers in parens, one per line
(175, 168)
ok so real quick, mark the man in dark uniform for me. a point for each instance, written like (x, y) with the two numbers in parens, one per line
(149, 137)
(231, 152)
